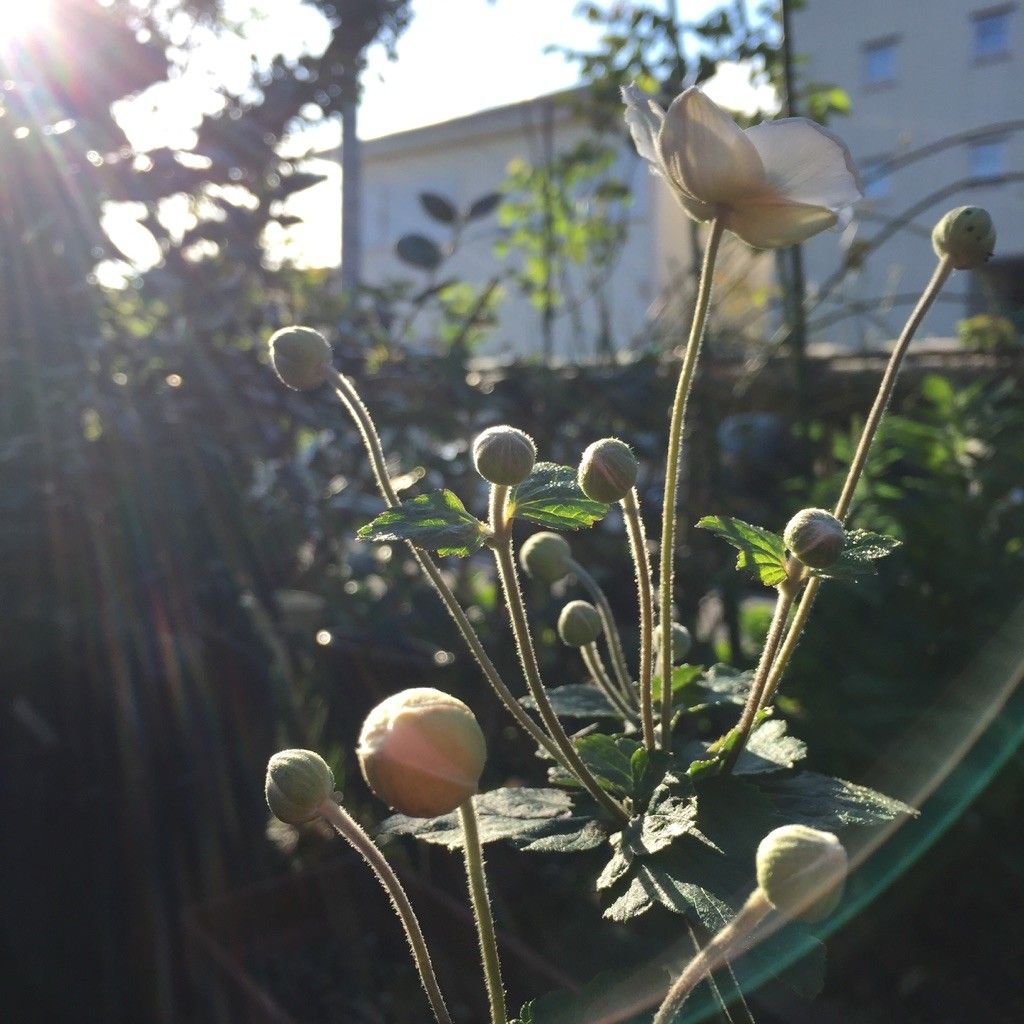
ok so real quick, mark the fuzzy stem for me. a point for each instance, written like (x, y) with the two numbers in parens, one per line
(645, 597)
(611, 631)
(482, 912)
(361, 842)
(375, 451)
(675, 442)
(878, 409)
(501, 542)
(788, 590)
(717, 952)
(595, 666)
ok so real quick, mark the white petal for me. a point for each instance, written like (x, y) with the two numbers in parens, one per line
(807, 164)
(771, 223)
(644, 118)
(705, 153)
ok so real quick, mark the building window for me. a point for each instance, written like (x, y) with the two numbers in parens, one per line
(988, 158)
(991, 34)
(880, 62)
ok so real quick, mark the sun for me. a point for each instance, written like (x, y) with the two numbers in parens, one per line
(20, 20)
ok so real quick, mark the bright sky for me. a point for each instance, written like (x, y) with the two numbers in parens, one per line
(456, 57)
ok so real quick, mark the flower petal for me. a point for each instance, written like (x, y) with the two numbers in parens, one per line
(644, 118)
(773, 222)
(807, 164)
(706, 154)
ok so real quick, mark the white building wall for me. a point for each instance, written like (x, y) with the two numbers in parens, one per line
(938, 89)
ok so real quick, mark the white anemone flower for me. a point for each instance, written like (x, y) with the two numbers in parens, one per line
(775, 184)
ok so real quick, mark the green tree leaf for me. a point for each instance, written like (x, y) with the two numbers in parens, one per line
(551, 496)
(609, 758)
(531, 819)
(576, 700)
(438, 208)
(419, 251)
(437, 521)
(683, 676)
(861, 549)
(761, 552)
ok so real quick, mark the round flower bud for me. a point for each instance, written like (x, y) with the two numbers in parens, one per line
(681, 642)
(966, 236)
(298, 782)
(504, 455)
(815, 537)
(301, 357)
(579, 624)
(801, 871)
(422, 752)
(546, 557)
(608, 470)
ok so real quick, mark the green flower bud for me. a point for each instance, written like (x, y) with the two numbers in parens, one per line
(504, 455)
(422, 752)
(579, 624)
(966, 236)
(301, 357)
(546, 557)
(298, 782)
(608, 470)
(815, 537)
(801, 871)
(681, 642)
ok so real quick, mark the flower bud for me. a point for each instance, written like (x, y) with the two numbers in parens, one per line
(546, 557)
(298, 782)
(504, 455)
(422, 752)
(608, 470)
(966, 236)
(801, 871)
(579, 624)
(681, 642)
(815, 537)
(301, 357)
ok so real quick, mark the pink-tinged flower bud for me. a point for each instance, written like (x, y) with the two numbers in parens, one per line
(504, 455)
(422, 752)
(608, 470)
(801, 871)
(546, 557)
(301, 357)
(298, 782)
(681, 642)
(966, 236)
(815, 537)
(579, 624)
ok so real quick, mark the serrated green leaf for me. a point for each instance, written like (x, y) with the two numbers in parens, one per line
(531, 819)
(437, 521)
(670, 816)
(861, 549)
(761, 552)
(821, 801)
(551, 496)
(770, 749)
(576, 700)
(609, 759)
(683, 676)
(634, 902)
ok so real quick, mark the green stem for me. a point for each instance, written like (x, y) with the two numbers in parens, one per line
(675, 442)
(595, 666)
(788, 590)
(878, 409)
(718, 951)
(501, 542)
(645, 597)
(361, 842)
(482, 912)
(611, 631)
(375, 451)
